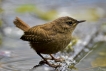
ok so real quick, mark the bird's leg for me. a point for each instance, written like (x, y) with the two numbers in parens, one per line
(53, 58)
(52, 65)
(56, 60)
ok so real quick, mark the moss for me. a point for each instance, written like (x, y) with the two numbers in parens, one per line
(0, 40)
(1, 10)
(0, 22)
(47, 15)
(69, 48)
(26, 8)
(29, 8)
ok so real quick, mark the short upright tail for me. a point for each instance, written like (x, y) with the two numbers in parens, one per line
(20, 24)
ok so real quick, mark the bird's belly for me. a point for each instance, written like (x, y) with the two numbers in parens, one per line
(50, 48)
(47, 48)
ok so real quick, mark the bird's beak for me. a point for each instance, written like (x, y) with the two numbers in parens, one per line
(81, 21)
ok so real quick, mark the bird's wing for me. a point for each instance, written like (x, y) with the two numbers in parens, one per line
(39, 35)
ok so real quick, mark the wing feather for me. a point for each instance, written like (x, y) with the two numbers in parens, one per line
(39, 35)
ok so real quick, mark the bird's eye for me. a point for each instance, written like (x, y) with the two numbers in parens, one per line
(69, 22)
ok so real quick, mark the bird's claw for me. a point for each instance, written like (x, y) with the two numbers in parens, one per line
(51, 65)
(56, 60)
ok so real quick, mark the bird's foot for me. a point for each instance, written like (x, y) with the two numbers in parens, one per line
(51, 65)
(48, 58)
(57, 60)
(45, 61)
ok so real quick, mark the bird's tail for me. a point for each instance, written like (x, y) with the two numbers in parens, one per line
(21, 25)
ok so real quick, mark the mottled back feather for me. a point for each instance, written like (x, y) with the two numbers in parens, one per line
(39, 34)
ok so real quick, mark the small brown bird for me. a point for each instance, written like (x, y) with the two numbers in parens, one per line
(48, 38)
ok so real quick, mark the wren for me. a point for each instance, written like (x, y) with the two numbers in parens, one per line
(49, 38)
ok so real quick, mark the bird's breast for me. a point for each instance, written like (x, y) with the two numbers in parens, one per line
(57, 44)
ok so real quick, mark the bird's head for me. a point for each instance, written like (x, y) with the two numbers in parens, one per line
(67, 23)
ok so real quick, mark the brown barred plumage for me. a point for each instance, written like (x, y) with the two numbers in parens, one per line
(48, 38)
